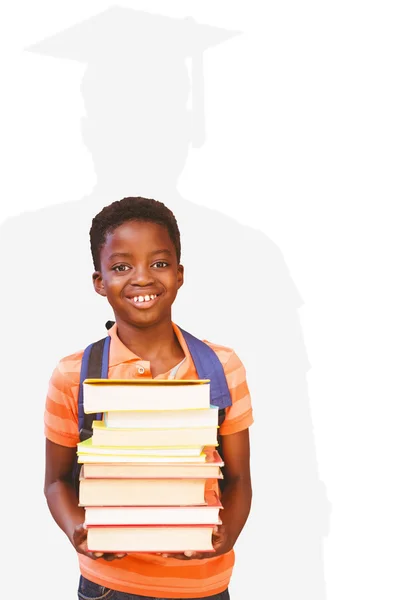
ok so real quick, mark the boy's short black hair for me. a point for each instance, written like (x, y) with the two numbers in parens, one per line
(131, 209)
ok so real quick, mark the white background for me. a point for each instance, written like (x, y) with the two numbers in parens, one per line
(302, 118)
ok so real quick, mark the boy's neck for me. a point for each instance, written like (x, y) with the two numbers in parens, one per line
(150, 343)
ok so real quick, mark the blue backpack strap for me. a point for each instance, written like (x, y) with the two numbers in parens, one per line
(208, 366)
(94, 366)
(83, 376)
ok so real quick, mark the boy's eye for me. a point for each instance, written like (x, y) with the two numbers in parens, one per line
(160, 264)
(120, 268)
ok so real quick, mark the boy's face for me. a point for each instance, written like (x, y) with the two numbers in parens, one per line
(139, 273)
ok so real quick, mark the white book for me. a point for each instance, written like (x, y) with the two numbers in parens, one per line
(153, 438)
(138, 458)
(141, 492)
(168, 419)
(103, 395)
(209, 466)
(155, 515)
(150, 538)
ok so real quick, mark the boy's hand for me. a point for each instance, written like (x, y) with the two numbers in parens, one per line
(220, 542)
(79, 541)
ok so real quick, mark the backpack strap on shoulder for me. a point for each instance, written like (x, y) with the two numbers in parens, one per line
(94, 366)
(208, 366)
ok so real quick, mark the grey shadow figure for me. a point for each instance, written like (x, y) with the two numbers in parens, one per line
(139, 129)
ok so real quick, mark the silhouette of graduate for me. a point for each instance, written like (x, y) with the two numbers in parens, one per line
(143, 91)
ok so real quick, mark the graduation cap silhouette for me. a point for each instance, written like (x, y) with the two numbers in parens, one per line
(148, 52)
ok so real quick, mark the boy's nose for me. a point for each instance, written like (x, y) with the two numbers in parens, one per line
(141, 276)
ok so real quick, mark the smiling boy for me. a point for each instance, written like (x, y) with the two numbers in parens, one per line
(135, 244)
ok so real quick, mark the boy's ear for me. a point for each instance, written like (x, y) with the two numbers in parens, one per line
(180, 276)
(98, 283)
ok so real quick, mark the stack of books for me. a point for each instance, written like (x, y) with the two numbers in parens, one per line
(146, 469)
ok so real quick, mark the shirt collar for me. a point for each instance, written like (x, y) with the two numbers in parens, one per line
(119, 353)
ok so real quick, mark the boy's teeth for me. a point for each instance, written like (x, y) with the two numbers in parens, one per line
(146, 298)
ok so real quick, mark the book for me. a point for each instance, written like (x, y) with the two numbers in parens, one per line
(148, 538)
(210, 468)
(103, 395)
(156, 515)
(87, 447)
(141, 492)
(150, 471)
(147, 419)
(153, 438)
(121, 459)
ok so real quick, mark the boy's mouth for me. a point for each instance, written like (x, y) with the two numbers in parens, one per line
(144, 300)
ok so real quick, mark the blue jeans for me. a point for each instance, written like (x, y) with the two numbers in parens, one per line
(93, 591)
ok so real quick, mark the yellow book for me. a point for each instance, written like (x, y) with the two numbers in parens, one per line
(87, 448)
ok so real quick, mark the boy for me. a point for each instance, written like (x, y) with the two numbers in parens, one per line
(135, 244)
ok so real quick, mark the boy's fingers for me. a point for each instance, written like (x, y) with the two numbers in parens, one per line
(178, 556)
(79, 535)
(219, 530)
(189, 555)
(207, 555)
(112, 556)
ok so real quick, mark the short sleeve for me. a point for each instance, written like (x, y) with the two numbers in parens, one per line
(61, 411)
(239, 416)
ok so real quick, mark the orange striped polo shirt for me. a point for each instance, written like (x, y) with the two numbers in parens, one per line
(142, 573)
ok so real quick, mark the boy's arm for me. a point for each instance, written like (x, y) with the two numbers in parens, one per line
(58, 489)
(62, 500)
(237, 494)
(236, 498)
(61, 431)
